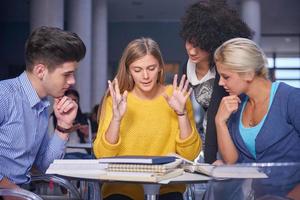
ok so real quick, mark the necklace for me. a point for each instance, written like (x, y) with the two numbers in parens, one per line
(258, 112)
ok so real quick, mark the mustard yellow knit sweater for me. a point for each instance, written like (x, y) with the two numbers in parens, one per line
(149, 127)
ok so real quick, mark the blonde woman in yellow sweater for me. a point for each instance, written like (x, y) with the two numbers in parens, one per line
(142, 116)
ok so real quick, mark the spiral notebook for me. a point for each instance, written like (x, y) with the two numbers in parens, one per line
(158, 168)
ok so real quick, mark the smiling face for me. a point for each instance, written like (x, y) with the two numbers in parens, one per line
(196, 55)
(145, 72)
(56, 82)
(233, 82)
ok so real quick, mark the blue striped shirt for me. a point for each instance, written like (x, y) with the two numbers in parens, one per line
(24, 139)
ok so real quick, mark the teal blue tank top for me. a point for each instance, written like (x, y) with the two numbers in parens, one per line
(249, 133)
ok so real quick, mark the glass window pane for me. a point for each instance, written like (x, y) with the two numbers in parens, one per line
(287, 62)
(271, 62)
(286, 74)
(295, 83)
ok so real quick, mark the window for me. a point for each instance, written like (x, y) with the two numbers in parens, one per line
(286, 69)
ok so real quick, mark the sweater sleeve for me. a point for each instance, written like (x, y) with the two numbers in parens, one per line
(293, 110)
(191, 146)
(102, 147)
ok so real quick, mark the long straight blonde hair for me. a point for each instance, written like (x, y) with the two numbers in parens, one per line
(135, 50)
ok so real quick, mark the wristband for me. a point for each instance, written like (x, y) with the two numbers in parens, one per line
(64, 130)
(181, 114)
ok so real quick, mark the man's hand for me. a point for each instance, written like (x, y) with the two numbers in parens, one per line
(65, 110)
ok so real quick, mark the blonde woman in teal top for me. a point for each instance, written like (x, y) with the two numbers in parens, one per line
(259, 121)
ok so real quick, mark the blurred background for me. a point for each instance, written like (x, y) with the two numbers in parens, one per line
(106, 27)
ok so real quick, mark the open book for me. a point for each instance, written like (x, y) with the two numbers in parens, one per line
(226, 171)
(222, 171)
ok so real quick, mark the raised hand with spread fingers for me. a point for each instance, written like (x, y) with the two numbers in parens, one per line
(177, 101)
(179, 96)
(119, 101)
(119, 105)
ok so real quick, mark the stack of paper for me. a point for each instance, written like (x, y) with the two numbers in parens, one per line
(142, 168)
(79, 168)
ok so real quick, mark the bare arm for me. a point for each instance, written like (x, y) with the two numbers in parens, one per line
(226, 146)
(119, 104)
(184, 126)
(178, 103)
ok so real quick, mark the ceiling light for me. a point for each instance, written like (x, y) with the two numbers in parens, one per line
(287, 40)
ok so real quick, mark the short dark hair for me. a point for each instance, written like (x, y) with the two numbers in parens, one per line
(53, 46)
(208, 25)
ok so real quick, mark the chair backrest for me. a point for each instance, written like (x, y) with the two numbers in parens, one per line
(20, 193)
(72, 190)
(86, 190)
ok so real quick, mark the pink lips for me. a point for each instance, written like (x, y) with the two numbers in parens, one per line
(194, 59)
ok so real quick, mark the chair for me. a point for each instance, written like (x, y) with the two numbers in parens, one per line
(62, 188)
(54, 187)
(20, 193)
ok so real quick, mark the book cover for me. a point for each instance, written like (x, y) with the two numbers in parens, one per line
(138, 159)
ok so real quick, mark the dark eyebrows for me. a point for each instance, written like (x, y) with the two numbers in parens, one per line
(153, 65)
(68, 72)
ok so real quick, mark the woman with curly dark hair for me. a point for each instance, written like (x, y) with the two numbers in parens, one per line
(205, 26)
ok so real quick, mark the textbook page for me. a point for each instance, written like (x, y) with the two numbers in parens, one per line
(222, 171)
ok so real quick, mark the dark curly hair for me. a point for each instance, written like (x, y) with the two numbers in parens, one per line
(208, 25)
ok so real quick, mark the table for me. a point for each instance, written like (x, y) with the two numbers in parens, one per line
(283, 180)
(281, 177)
(151, 190)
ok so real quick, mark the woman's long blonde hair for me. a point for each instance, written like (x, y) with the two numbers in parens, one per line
(135, 50)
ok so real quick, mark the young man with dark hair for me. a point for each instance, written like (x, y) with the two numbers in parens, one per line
(51, 56)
